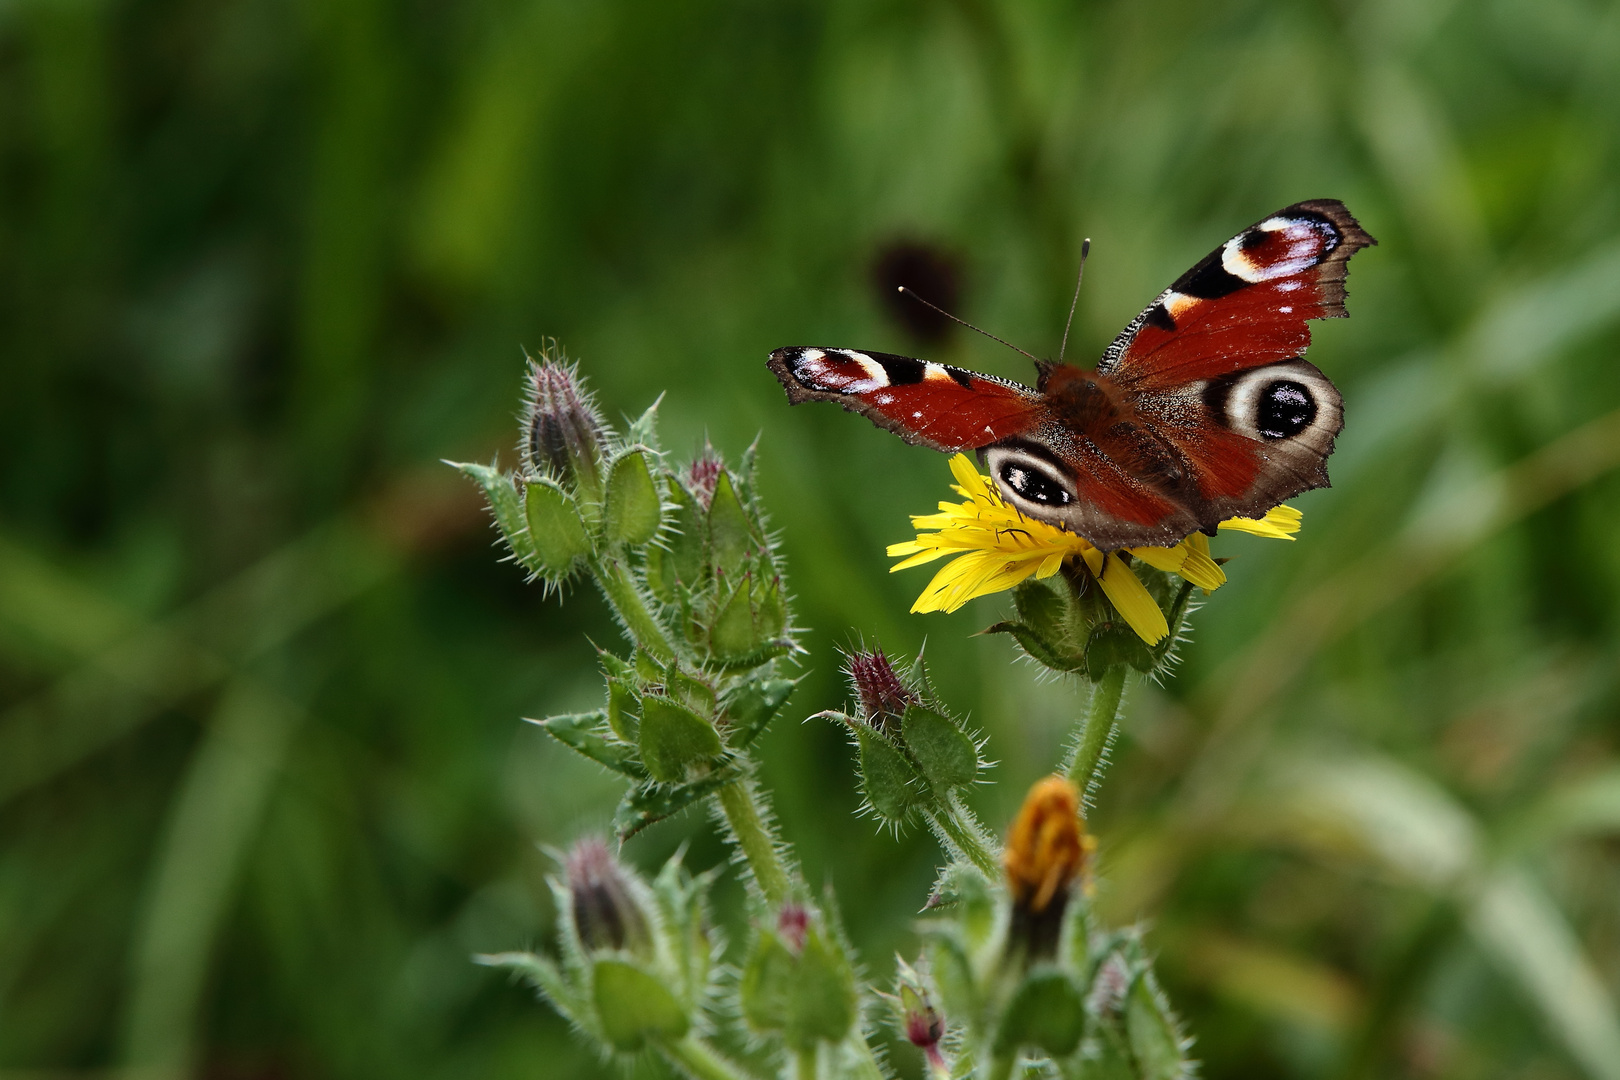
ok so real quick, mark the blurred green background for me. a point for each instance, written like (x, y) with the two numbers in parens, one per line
(263, 783)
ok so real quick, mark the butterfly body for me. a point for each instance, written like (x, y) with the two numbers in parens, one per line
(1203, 408)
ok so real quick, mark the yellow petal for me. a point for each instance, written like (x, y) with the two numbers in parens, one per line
(966, 475)
(1167, 559)
(1132, 600)
(1280, 523)
(1202, 570)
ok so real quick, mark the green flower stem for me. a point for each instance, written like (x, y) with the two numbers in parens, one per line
(804, 1063)
(740, 804)
(957, 828)
(1085, 770)
(694, 1058)
(627, 599)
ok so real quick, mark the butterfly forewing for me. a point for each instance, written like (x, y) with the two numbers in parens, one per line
(927, 404)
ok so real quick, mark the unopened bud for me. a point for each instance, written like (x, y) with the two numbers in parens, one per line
(881, 694)
(606, 913)
(563, 433)
(703, 474)
(1047, 850)
(792, 923)
(924, 1024)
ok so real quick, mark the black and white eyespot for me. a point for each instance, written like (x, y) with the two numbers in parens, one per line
(1033, 484)
(1279, 247)
(1291, 400)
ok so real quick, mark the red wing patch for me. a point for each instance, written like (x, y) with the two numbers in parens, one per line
(925, 403)
(1244, 305)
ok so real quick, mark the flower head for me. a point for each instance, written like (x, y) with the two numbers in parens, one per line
(1047, 851)
(996, 547)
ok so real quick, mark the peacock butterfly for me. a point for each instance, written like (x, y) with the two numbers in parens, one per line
(1202, 409)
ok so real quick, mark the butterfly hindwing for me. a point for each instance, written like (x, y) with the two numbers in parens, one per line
(926, 404)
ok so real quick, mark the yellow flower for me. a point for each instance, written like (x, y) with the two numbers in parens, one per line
(996, 547)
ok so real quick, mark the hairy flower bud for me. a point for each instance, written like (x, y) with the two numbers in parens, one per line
(923, 1023)
(703, 474)
(792, 923)
(1047, 850)
(881, 694)
(606, 912)
(562, 431)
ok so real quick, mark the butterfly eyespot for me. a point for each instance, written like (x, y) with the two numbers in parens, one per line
(1285, 409)
(1035, 486)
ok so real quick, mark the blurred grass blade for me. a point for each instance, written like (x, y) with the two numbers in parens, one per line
(1520, 926)
(211, 825)
(138, 674)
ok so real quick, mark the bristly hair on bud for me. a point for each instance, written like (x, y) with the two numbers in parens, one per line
(879, 691)
(606, 914)
(1047, 851)
(563, 432)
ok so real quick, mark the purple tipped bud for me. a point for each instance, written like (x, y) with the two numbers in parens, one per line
(881, 694)
(606, 914)
(924, 1024)
(563, 432)
(703, 475)
(792, 924)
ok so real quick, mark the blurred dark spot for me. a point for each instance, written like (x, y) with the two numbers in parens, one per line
(930, 271)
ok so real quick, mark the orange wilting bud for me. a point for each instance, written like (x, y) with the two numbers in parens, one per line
(1047, 849)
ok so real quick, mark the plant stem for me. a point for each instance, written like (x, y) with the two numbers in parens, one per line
(694, 1058)
(741, 806)
(804, 1064)
(958, 828)
(625, 595)
(1085, 769)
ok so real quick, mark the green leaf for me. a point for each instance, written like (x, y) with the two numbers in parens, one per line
(624, 705)
(542, 974)
(582, 732)
(1045, 1013)
(772, 610)
(891, 783)
(556, 530)
(1113, 644)
(1047, 653)
(1155, 1043)
(753, 705)
(730, 538)
(685, 561)
(644, 429)
(674, 739)
(695, 694)
(650, 803)
(734, 632)
(506, 505)
(943, 751)
(633, 508)
(1042, 610)
(633, 1006)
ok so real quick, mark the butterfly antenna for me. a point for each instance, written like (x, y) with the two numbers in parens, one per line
(967, 324)
(1085, 249)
